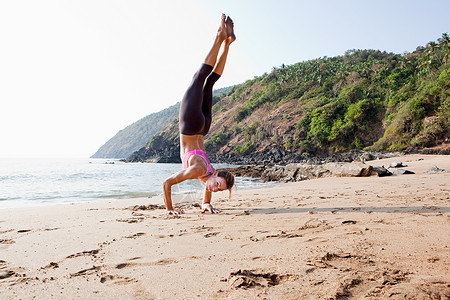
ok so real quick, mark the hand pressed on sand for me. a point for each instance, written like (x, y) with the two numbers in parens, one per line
(208, 207)
(175, 212)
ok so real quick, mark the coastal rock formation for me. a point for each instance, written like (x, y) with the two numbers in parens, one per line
(299, 172)
(160, 151)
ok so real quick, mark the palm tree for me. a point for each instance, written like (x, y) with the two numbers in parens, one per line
(425, 63)
(433, 49)
(404, 63)
(445, 41)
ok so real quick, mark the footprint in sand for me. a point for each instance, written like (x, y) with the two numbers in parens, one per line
(208, 235)
(145, 207)
(51, 265)
(117, 280)
(6, 241)
(282, 234)
(84, 253)
(131, 220)
(161, 262)
(136, 235)
(51, 229)
(248, 279)
(6, 274)
(87, 271)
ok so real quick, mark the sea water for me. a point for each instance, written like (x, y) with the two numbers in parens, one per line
(44, 181)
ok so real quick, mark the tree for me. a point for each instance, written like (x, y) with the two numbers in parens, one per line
(433, 50)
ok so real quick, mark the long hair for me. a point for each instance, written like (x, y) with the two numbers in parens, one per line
(229, 179)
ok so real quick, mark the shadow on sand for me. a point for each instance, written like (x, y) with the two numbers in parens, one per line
(363, 209)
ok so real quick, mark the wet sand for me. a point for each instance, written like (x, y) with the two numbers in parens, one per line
(329, 238)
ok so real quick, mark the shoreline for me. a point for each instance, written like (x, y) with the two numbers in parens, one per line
(47, 182)
(112, 199)
(326, 238)
(246, 173)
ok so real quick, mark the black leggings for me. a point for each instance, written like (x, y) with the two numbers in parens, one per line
(195, 109)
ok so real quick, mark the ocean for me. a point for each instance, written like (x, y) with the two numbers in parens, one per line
(44, 181)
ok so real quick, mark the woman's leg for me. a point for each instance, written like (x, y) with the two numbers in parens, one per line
(221, 35)
(192, 118)
(215, 75)
(230, 38)
(208, 88)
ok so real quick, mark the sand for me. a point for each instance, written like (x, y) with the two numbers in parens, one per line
(328, 238)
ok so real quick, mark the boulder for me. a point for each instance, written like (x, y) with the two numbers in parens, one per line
(353, 169)
(299, 172)
(397, 164)
(401, 172)
(275, 173)
(380, 171)
(436, 170)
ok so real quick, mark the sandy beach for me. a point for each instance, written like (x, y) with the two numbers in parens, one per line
(329, 238)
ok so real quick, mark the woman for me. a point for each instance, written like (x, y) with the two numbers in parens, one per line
(195, 121)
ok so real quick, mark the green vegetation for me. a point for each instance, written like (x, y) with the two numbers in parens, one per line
(219, 139)
(364, 99)
(246, 149)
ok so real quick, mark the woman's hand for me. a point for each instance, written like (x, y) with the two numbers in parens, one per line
(180, 176)
(208, 207)
(175, 212)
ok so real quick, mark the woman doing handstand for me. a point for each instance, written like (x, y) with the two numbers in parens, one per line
(195, 121)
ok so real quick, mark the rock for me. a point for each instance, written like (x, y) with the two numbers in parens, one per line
(435, 151)
(396, 164)
(246, 171)
(165, 148)
(366, 156)
(275, 173)
(381, 171)
(436, 170)
(401, 172)
(159, 150)
(299, 172)
(353, 169)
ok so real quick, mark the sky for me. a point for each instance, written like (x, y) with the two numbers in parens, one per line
(74, 73)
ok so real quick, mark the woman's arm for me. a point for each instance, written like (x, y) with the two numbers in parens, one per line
(206, 205)
(189, 173)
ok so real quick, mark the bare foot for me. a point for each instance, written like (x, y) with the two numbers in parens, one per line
(222, 31)
(230, 30)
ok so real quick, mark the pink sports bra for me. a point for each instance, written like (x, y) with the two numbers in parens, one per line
(198, 152)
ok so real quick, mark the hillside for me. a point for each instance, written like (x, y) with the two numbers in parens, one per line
(365, 99)
(136, 135)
